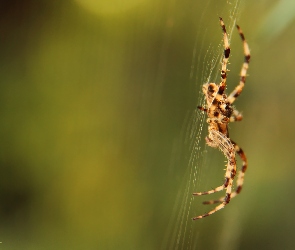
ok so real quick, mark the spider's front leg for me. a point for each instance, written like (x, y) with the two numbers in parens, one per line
(236, 116)
(237, 91)
(226, 54)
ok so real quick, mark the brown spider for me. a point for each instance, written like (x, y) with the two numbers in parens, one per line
(220, 112)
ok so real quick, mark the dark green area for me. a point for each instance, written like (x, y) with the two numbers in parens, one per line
(93, 105)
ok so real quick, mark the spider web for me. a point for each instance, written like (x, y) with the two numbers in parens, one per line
(183, 233)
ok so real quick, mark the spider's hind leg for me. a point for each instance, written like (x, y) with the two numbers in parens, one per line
(227, 147)
(240, 179)
(225, 201)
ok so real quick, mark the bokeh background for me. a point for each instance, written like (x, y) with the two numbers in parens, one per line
(95, 100)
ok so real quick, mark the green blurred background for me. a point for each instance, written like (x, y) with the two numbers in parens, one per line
(96, 98)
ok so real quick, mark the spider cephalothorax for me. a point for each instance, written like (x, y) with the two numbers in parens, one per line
(220, 112)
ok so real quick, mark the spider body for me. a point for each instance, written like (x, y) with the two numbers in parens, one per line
(220, 112)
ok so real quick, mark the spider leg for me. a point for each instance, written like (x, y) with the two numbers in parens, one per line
(236, 116)
(217, 139)
(226, 54)
(240, 179)
(202, 108)
(227, 148)
(226, 199)
(237, 91)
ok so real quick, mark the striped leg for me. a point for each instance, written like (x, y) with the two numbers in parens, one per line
(202, 108)
(237, 91)
(236, 116)
(229, 182)
(217, 139)
(240, 179)
(226, 54)
(227, 148)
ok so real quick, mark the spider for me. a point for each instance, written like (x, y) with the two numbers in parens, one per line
(220, 112)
